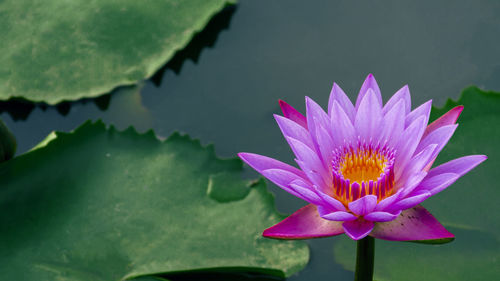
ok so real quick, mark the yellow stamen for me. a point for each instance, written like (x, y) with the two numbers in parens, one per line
(362, 171)
(362, 166)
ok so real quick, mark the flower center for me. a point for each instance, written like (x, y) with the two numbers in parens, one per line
(361, 170)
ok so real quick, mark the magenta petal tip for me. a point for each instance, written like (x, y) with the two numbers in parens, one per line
(415, 224)
(292, 114)
(305, 223)
(358, 229)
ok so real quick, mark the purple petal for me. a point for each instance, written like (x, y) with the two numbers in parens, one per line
(305, 191)
(309, 157)
(335, 216)
(339, 216)
(358, 229)
(282, 179)
(381, 216)
(369, 83)
(317, 118)
(322, 181)
(363, 205)
(408, 143)
(291, 129)
(412, 183)
(342, 127)
(438, 183)
(325, 145)
(448, 118)
(440, 136)
(330, 202)
(382, 205)
(429, 165)
(402, 94)
(393, 124)
(338, 95)
(458, 166)
(422, 110)
(417, 163)
(414, 224)
(304, 224)
(292, 114)
(368, 117)
(409, 202)
(261, 163)
(314, 111)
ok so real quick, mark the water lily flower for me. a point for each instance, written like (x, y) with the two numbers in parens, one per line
(364, 167)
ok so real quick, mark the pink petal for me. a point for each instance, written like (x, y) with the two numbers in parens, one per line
(335, 216)
(422, 110)
(381, 216)
(415, 224)
(368, 117)
(448, 118)
(369, 83)
(292, 114)
(358, 229)
(338, 95)
(458, 166)
(261, 163)
(363, 205)
(402, 94)
(304, 224)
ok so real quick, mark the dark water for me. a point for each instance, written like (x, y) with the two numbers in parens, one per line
(224, 87)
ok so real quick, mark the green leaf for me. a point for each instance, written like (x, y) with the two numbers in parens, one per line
(65, 50)
(468, 208)
(98, 204)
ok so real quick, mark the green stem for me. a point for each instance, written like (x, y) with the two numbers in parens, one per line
(365, 254)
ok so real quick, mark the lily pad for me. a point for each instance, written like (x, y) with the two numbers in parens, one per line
(468, 208)
(65, 50)
(98, 204)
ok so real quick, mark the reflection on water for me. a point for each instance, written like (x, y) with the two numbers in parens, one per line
(125, 109)
(205, 38)
(20, 109)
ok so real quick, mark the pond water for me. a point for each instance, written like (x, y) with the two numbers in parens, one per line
(224, 87)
